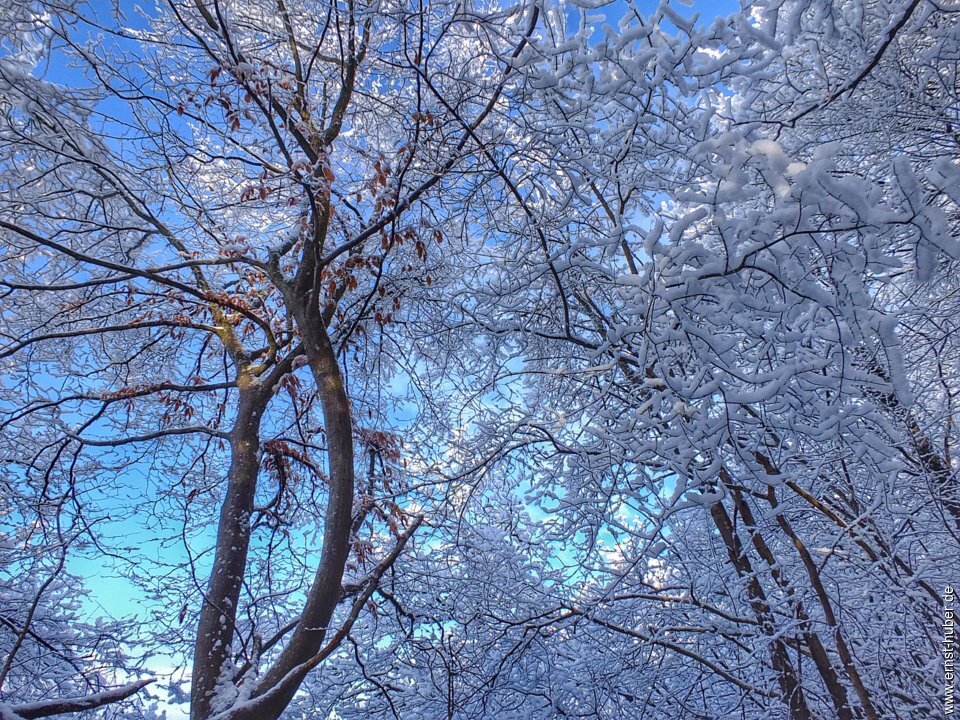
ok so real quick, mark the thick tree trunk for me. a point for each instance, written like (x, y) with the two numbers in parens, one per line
(218, 613)
(280, 683)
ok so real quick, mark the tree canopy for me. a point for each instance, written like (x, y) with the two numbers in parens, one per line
(477, 360)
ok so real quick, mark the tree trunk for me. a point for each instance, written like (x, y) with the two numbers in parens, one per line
(846, 657)
(218, 613)
(830, 677)
(280, 683)
(791, 693)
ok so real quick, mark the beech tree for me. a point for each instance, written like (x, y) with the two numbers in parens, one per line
(207, 250)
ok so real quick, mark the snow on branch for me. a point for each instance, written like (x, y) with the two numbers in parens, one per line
(48, 708)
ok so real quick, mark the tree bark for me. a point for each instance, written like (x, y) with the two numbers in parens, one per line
(791, 693)
(830, 677)
(284, 677)
(218, 613)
